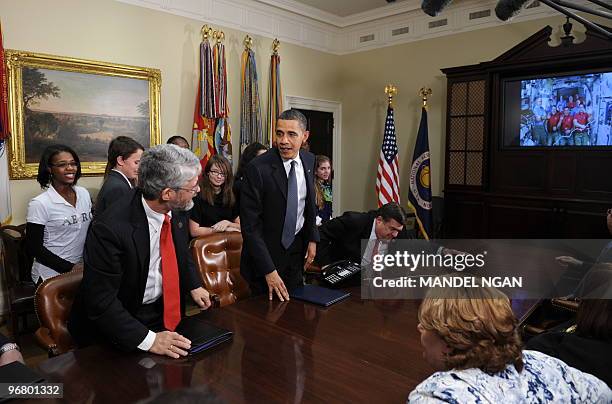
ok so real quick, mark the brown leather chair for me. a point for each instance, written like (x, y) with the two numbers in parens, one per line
(18, 270)
(54, 298)
(549, 315)
(217, 256)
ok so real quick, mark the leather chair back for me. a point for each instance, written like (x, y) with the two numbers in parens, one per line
(53, 302)
(17, 262)
(18, 271)
(217, 257)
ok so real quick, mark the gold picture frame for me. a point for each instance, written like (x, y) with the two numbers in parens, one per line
(80, 103)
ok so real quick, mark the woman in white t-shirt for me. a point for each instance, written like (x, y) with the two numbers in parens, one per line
(58, 218)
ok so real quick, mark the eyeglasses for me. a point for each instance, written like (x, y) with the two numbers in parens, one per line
(192, 190)
(217, 173)
(65, 165)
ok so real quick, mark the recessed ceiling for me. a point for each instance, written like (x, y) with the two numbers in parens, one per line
(344, 8)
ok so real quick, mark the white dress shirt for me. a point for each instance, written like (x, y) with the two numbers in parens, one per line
(124, 176)
(301, 186)
(153, 288)
(383, 245)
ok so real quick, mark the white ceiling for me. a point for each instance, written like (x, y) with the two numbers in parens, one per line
(300, 23)
(344, 8)
(345, 13)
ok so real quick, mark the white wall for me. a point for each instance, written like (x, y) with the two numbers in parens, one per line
(116, 32)
(109, 31)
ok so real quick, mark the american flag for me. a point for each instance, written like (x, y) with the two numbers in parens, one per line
(387, 178)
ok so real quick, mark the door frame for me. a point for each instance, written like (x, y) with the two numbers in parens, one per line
(335, 107)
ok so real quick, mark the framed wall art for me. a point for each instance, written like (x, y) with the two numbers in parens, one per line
(80, 103)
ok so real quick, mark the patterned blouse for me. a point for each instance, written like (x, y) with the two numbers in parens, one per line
(544, 379)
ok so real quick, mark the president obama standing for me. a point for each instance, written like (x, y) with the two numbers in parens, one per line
(277, 212)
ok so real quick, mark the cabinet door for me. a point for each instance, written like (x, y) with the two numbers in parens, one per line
(509, 219)
(463, 218)
(465, 134)
(578, 223)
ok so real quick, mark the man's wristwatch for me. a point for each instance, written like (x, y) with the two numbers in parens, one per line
(8, 347)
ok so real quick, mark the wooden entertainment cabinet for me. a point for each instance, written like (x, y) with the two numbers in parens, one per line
(492, 191)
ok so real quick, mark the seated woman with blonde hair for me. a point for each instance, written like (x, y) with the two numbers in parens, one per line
(470, 336)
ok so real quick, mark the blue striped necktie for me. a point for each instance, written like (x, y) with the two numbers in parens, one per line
(292, 208)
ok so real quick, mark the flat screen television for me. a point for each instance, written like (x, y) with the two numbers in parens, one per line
(558, 111)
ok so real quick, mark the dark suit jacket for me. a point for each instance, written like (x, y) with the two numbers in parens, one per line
(263, 204)
(237, 192)
(116, 261)
(114, 187)
(341, 237)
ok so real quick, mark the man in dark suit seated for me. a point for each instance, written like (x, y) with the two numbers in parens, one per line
(138, 268)
(277, 212)
(341, 237)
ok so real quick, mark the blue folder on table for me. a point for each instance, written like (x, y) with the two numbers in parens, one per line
(202, 334)
(318, 295)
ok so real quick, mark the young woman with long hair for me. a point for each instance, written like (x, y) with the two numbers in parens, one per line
(214, 208)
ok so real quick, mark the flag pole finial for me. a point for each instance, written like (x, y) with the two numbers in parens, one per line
(248, 42)
(425, 93)
(207, 32)
(275, 46)
(390, 90)
(219, 36)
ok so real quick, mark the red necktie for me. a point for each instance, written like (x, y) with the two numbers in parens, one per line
(375, 249)
(170, 277)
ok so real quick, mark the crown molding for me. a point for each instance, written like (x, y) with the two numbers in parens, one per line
(419, 26)
(306, 26)
(253, 17)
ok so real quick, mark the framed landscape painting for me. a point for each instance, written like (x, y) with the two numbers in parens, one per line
(80, 103)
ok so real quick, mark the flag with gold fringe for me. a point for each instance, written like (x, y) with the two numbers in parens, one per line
(275, 93)
(419, 194)
(208, 104)
(202, 138)
(220, 78)
(202, 142)
(5, 194)
(250, 111)
(223, 133)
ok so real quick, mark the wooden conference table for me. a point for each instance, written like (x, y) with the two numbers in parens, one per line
(354, 351)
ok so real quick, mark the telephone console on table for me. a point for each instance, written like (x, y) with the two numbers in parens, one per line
(343, 273)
